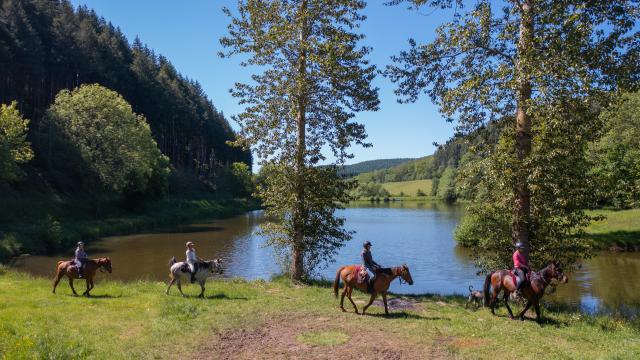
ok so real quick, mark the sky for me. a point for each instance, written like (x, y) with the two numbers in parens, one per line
(188, 32)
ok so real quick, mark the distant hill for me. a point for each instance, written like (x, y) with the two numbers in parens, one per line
(371, 165)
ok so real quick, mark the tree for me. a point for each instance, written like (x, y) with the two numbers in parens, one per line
(517, 63)
(114, 142)
(446, 185)
(315, 78)
(616, 155)
(14, 147)
(241, 179)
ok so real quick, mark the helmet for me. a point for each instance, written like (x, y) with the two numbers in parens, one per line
(189, 243)
(519, 245)
(366, 243)
(80, 243)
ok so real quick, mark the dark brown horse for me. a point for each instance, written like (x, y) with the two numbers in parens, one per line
(349, 277)
(501, 280)
(69, 269)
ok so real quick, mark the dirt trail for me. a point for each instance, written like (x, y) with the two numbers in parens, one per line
(278, 339)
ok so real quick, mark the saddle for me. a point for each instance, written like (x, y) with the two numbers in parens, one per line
(514, 276)
(361, 274)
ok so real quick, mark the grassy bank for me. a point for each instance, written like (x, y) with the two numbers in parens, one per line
(278, 320)
(408, 188)
(47, 222)
(620, 230)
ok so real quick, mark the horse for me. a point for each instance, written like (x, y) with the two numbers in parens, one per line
(71, 270)
(178, 271)
(502, 280)
(384, 277)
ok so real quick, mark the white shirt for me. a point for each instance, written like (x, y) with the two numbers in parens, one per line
(191, 256)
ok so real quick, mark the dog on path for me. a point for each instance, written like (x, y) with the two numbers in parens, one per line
(475, 297)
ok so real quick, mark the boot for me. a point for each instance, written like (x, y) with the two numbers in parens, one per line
(370, 283)
(193, 277)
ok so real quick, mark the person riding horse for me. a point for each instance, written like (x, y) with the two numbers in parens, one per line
(520, 268)
(192, 260)
(367, 261)
(80, 259)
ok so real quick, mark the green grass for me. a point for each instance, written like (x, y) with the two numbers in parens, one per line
(620, 228)
(409, 188)
(137, 320)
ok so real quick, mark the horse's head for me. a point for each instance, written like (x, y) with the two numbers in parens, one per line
(215, 266)
(405, 274)
(105, 263)
(556, 272)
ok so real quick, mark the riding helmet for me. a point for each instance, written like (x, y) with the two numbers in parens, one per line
(366, 243)
(80, 243)
(189, 243)
(519, 245)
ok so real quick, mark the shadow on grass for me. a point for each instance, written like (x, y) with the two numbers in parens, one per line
(222, 296)
(625, 239)
(405, 315)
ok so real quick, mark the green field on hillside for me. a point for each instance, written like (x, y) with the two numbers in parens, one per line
(409, 188)
(280, 319)
(620, 228)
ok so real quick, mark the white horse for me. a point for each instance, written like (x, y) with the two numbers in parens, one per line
(179, 271)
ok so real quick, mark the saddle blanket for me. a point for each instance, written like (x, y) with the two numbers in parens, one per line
(361, 274)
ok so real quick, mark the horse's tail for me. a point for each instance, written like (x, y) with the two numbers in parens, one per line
(487, 283)
(172, 261)
(336, 282)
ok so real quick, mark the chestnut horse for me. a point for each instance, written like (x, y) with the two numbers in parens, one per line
(349, 277)
(533, 291)
(71, 270)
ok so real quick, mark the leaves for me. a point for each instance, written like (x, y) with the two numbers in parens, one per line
(14, 147)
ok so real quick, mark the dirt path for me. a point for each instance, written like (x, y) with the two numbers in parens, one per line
(280, 339)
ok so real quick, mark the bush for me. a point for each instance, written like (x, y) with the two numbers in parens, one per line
(113, 142)
(420, 193)
(14, 147)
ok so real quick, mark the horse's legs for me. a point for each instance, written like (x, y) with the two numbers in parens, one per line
(350, 299)
(173, 280)
(71, 284)
(344, 292)
(180, 287)
(373, 297)
(506, 303)
(384, 299)
(526, 307)
(201, 289)
(494, 297)
(536, 306)
(56, 280)
(86, 292)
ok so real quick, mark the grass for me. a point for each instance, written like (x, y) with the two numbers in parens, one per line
(409, 188)
(137, 320)
(620, 229)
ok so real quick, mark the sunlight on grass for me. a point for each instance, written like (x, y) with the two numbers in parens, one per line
(324, 338)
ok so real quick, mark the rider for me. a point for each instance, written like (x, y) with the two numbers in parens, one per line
(192, 260)
(520, 267)
(367, 261)
(80, 259)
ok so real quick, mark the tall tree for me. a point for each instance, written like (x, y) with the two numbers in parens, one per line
(517, 62)
(315, 78)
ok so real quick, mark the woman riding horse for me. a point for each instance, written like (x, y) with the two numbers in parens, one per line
(349, 275)
(501, 280)
(69, 269)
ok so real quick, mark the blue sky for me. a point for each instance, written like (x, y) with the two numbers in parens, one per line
(187, 33)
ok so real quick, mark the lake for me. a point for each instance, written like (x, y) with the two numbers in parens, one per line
(418, 234)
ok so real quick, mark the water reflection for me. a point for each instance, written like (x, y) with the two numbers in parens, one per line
(416, 233)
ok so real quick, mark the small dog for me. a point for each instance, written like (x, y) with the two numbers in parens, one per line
(475, 298)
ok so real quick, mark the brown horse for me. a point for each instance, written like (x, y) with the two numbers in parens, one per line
(349, 276)
(501, 280)
(71, 270)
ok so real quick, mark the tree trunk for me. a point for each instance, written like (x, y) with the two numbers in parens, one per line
(522, 208)
(297, 256)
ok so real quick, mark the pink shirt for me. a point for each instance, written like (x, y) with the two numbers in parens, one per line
(519, 260)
